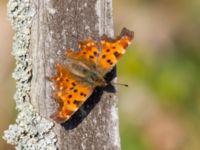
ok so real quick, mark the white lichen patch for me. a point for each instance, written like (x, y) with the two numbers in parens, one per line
(31, 131)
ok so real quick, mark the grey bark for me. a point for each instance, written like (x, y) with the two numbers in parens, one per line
(57, 26)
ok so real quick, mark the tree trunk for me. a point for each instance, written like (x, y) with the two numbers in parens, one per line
(58, 25)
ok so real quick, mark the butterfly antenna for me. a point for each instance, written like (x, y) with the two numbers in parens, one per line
(125, 85)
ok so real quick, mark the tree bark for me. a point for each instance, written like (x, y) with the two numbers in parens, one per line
(44, 30)
(59, 25)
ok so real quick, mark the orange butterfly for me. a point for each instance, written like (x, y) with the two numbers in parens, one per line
(84, 70)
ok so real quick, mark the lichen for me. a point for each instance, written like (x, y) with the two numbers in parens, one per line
(31, 131)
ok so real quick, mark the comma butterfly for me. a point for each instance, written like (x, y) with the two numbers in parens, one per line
(75, 81)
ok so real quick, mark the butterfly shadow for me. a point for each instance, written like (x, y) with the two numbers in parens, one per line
(91, 102)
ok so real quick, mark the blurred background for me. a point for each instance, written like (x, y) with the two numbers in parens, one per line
(160, 110)
(7, 83)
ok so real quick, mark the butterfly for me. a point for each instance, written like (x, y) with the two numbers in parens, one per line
(77, 77)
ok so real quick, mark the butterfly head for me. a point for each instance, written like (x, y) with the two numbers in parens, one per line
(101, 82)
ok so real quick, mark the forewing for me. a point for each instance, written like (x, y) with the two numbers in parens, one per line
(112, 50)
(88, 52)
(69, 92)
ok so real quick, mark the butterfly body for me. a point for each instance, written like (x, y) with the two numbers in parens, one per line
(83, 70)
(86, 73)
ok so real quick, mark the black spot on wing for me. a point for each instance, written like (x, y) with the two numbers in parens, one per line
(70, 96)
(117, 54)
(95, 53)
(77, 102)
(73, 83)
(103, 56)
(91, 57)
(108, 50)
(109, 62)
(75, 90)
(83, 94)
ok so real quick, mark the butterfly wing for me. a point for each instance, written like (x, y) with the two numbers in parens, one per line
(88, 52)
(106, 58)
(70, 92)
(112, 50)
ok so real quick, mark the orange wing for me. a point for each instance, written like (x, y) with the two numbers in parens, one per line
(88, 52)
(112, 50)
(69, 92)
